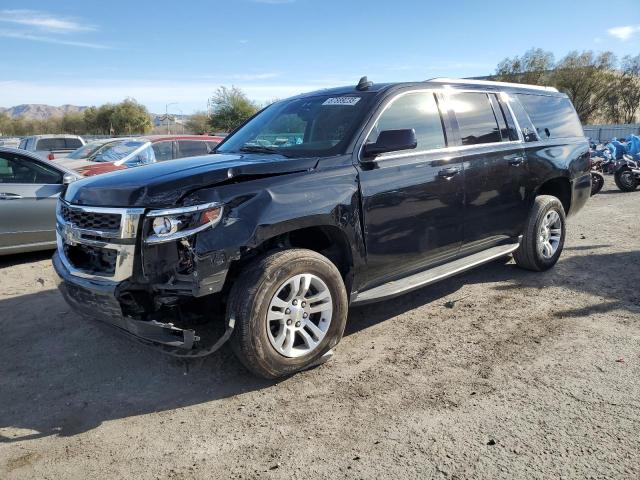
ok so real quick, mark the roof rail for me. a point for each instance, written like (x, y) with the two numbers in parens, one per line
(489, 82)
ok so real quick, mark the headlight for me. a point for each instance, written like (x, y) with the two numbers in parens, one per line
(171, 224)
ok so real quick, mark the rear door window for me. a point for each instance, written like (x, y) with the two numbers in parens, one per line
(418, 111)
(527, 128)
(553, 117)
(192, 148)
(476, 120)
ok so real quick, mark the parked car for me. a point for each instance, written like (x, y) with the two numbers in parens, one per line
(29, 189)
(13, 142)
(140, 151)
(51, 146)
(88, 150)
(322, 201)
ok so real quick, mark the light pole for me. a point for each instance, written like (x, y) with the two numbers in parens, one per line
(181, 119)
(166, 114)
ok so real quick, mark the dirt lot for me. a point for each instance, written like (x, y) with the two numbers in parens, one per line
(498, 373)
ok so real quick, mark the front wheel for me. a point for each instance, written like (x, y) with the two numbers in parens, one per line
(290, 309)
(626, 180)
(543, 239)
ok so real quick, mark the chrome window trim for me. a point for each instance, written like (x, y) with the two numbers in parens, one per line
(448, 149)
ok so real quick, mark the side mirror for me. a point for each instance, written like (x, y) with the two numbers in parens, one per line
(391, 141)
(67, 178)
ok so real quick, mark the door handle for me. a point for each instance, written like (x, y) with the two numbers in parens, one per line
(9, 196)
(448, 172)
(516, 161)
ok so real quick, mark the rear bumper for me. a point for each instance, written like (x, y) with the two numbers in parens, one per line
(97, 301)
(580, 193)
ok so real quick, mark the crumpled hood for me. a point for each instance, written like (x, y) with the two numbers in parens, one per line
(162, 185)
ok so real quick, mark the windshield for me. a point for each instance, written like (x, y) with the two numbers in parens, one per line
(86, 150)
(117, 151)
(311, 126)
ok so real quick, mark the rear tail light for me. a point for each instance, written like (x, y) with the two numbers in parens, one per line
(51, 156)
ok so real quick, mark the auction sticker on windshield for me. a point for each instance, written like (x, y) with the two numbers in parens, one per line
(350, 101)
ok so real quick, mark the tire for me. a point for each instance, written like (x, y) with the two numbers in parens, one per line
(597, 182)
(531, 253)
(256, 337)
(626, 180)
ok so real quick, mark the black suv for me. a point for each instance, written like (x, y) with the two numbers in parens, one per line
(319, 202)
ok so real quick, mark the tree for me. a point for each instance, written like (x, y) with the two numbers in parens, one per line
(532, 68)
(198, 123)
(90, 120)
(587, 79)
(231, 107)
(129, 117)
(73, 122)
(103, 118)
(629, 88)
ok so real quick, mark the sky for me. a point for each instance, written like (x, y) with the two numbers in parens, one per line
(180, 52)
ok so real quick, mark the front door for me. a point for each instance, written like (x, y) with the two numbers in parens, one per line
(29, 191)
(412, 200)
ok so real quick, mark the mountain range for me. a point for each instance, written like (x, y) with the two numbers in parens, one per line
(36, 111)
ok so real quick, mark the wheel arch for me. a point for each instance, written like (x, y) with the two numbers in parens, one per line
(329, 240)
(559, 187)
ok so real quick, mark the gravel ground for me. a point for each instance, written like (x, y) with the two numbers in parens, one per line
(498, 373)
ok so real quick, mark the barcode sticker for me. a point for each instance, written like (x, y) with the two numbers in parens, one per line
(349, 101)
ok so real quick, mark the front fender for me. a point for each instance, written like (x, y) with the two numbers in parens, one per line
(259, 210)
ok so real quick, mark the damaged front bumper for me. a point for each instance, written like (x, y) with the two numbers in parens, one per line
(97, 300)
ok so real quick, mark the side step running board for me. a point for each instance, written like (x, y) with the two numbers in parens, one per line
(421, 279)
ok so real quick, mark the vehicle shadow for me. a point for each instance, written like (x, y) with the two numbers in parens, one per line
(61, 375)
(20, 258)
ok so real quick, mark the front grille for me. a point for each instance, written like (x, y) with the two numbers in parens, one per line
(97, 242)
(92, 259)
(90, 220)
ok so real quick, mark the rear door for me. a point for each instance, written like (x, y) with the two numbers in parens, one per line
(412, 200)
(28, 193)
(495, 170)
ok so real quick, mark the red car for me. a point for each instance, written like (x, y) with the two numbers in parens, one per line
(138, 151)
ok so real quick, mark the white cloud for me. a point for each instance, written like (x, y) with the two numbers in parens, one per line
(54, 40)
(44, 21)
(625, 32)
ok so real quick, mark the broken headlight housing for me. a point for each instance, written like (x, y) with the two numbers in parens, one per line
(175, 223)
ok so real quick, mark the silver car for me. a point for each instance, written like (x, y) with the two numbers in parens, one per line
(29, 190)
(51, 146)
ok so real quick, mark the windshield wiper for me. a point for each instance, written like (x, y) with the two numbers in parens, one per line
(261, 149)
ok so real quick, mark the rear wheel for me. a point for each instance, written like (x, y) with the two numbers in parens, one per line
(543, 239)
(626, 180)
(597, 182)
(290, 309)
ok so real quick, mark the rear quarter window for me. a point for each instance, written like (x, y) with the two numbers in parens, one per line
(552, 117)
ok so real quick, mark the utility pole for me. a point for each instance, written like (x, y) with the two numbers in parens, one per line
(181, 119)
(166, 114)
